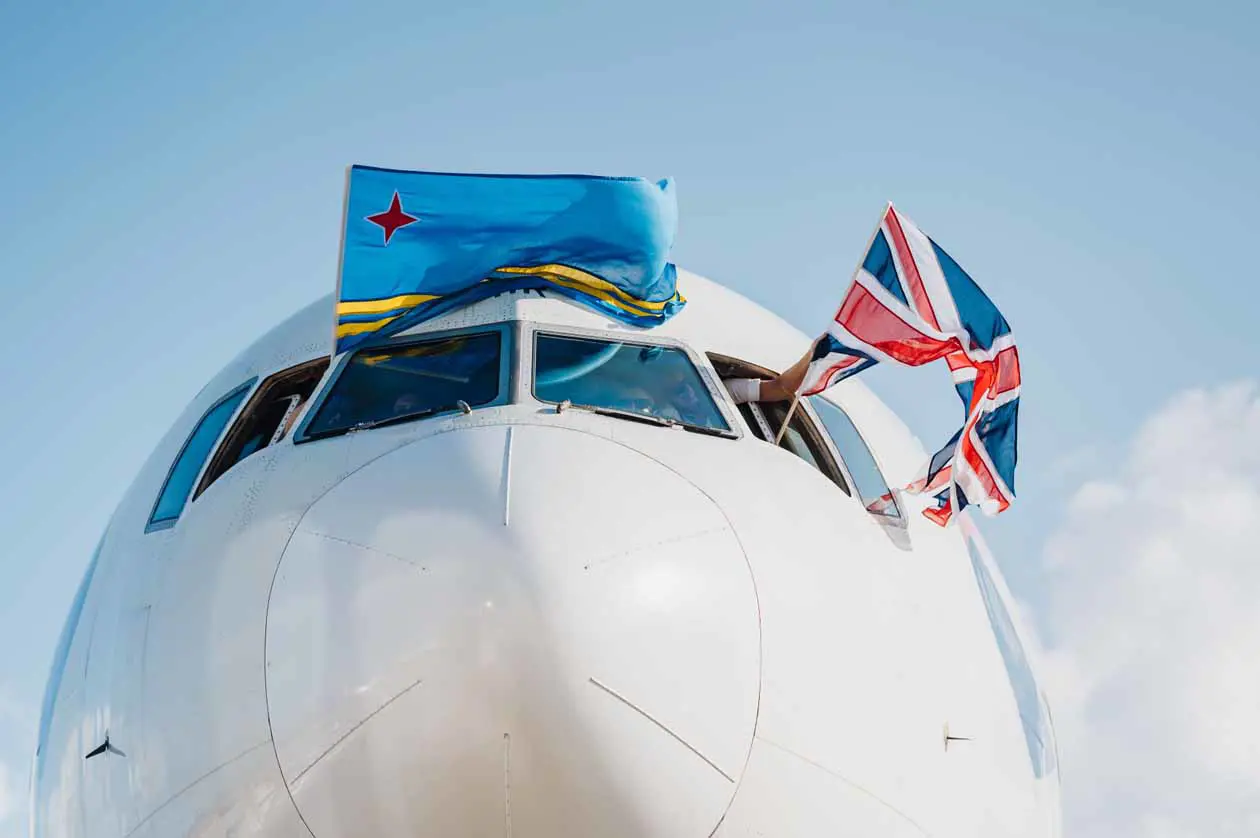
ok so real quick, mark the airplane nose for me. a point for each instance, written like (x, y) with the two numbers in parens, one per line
(513, 631)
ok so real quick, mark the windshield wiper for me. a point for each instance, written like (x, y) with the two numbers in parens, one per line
(649, 419)
(369, 424)
(645, 418)
(706, 430)
(460, 405)
(394, 420)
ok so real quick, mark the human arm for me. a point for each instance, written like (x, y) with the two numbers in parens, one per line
(780, 388)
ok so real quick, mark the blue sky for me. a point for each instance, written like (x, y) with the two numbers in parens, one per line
(173, 175)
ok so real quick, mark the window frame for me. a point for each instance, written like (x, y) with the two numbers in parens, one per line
(819, 429)
(252, 404)
(507, 340)
(700, 361)
(759, 417)
(814, 427)
(900, 521)
(155, 525)
(816, 433)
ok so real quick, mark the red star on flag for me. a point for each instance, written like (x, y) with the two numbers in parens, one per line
(393, 218)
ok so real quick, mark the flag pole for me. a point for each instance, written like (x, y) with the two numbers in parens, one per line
(796, 397)
(341, 257)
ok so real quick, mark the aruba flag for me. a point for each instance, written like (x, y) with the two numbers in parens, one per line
(418, 244)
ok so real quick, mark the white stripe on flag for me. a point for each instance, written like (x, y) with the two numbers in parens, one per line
(903, 313)
(994, 402)
(963, 374)
(969, 483)
(933, 277)
(998, 482)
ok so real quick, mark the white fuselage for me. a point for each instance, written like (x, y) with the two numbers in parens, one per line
(532, 623)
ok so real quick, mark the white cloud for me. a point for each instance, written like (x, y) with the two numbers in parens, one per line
(10, 797)
(15, 728)
(1154, 597)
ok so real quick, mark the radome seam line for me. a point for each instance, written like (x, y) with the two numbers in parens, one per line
(661, 725)
(297, 777)
(881, 801)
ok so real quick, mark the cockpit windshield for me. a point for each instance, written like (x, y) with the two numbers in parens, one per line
(637, 380)
(399, 383)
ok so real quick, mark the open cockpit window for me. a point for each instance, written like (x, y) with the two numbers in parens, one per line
(802, 437)
(765, 419)
(184, 471)
(267, 418)
(410, 380)
(644, 382)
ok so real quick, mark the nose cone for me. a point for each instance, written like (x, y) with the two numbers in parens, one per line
(513, 631)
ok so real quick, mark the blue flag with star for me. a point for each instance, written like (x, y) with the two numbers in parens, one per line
(418, 244)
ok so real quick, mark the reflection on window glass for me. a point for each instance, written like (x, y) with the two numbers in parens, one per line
(394, 384)
(870, 483)
(656, 381)
(179, 482)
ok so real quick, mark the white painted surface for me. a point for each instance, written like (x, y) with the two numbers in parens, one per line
(603, 659)
(671, 631)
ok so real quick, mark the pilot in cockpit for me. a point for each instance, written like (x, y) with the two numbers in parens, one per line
(680, 398)
(407, 402)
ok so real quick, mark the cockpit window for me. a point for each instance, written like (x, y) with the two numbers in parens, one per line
(869, 481)
(187, 466)
(391, 384)
(636, 380)
(801, 437)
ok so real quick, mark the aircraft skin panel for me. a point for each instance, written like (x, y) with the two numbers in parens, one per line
(204, 690)
(58, 808)
(244, 796)
(789, 796)
(447, 642)
(666, 615)
(857, 651)
(103, 792)
(534, 623)
(985, 789)
(842, 678)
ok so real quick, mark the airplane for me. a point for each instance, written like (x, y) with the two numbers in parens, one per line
(523, 570)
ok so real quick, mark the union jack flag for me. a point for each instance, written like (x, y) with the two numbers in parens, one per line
(911, 304)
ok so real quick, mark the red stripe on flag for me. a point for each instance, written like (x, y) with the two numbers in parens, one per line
(874, 323)
(983, 388)
(824, 380)
(981, 469)
(932, 483)
(1007, 377)
(910, 269)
